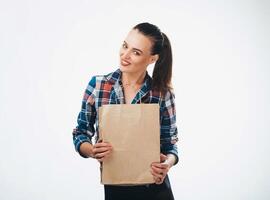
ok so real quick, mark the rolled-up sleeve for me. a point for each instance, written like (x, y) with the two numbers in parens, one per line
(85, 129)
(168, 128)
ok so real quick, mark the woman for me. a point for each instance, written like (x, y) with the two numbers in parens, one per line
(130, 84)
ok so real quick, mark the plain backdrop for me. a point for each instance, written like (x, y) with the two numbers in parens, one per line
(50, 49)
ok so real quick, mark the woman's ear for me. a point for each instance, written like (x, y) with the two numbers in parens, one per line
(154, 58)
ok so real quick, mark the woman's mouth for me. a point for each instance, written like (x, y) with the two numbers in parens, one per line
(125, 63)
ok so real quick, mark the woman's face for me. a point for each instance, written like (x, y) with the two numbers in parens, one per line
(135, 53)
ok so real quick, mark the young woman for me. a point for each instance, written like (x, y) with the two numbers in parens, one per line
(130, 84)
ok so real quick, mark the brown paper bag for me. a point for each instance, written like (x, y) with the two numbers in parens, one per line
(134, 132)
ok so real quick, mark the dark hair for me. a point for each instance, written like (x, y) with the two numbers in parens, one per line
(162, 73)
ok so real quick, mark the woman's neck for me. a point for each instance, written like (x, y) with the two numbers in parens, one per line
(133, 78)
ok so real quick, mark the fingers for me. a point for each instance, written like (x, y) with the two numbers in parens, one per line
(101, 147)
(157, 175)
(102, 156)
(158, 181)
(158, 178)
(102, 144)
(159, 171)
(160, 165)
(163, 158)
(102, 150)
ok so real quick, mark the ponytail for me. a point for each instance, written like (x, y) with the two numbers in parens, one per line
(162, 73)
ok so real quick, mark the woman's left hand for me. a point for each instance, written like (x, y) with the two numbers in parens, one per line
(160, 169)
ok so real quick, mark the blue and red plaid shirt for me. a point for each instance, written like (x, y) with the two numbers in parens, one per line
(108, 89)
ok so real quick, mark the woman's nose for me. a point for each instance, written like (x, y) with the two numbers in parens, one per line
(125, 54)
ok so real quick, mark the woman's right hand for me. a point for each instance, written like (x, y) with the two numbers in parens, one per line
(102, 150)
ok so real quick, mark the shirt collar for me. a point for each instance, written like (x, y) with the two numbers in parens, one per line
(115, 79)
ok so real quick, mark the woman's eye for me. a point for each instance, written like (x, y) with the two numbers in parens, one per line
(136, 53)
(124, 46)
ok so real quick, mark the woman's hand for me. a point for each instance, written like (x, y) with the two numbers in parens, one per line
(160, 169)
(102, 150)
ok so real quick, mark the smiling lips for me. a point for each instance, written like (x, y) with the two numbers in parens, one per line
(125, 63)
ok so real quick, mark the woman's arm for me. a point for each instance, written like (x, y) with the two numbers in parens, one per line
(168, 130)
(83, 133)
(168, 139)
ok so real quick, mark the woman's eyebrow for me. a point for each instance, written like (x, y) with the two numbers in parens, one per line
(134, 48)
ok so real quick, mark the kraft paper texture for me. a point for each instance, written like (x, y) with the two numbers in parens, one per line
(134, 132)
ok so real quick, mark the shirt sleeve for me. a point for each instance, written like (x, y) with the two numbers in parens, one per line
(85, 129)
(168, 130)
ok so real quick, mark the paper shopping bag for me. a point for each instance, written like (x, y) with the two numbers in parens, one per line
(134, 132)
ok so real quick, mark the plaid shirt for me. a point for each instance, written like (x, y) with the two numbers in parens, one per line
(108, 89)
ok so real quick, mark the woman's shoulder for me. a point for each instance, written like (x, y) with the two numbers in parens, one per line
(111, 77)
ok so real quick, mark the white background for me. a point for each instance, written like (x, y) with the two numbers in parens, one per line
(50, 49)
